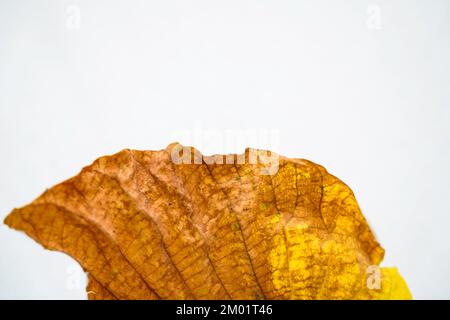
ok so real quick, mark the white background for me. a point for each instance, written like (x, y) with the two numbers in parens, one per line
(361, 87)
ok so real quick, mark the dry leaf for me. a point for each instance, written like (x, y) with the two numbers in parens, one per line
(151, 225)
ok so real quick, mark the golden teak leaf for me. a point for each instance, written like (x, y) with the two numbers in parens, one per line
(172, 224)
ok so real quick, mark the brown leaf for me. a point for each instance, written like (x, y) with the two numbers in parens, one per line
(172, 224)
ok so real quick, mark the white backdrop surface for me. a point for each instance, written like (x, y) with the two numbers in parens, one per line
(361, 87)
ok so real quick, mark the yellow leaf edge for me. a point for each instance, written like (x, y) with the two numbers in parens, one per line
(393, 286)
